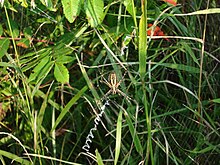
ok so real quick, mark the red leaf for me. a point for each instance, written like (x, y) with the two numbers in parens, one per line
(157, 31)
(22, 44)
(160, 33)
(172, 2)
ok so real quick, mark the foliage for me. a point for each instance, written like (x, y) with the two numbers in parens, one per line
(163, 107)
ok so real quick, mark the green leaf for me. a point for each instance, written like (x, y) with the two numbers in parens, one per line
(6, 64)
(71, 9)
(67, 38)
(9, 6)
(40, 66)
(28, 32)
(41, 70)
(118, 138)
(50, 4)
(99, 158)
(182, 67)
(4, 45)
(42, 112)
(23, 3)
(14, 157)
(14, 28)
(60, 50)
(142, 46)
(68, 106)
(65, 59)
(30, 60)
(89, 82)
(129, 7)
(94, 11)
(206, 11)
(1, 30)
(216, 100)
(137, 142)
(190, 51)
(24, 43)
(61, 73)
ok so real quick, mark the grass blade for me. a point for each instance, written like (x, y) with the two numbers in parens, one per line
(143, 41)
(206, 11)
(14, 157)
(134, 135)
(68, 106)
(99, 158)
(118, 138)
(89, 83)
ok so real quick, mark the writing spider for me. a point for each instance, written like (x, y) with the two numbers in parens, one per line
(113, 84)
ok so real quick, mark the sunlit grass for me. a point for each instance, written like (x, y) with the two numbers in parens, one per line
(167, 110)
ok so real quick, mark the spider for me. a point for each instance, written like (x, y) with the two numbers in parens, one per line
(113, 84)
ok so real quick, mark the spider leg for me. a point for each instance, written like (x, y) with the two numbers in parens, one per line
(121, 80)
(123, 94)
(107, 94)
(105, 82)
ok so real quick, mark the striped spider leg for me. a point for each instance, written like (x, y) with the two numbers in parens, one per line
(113, 84)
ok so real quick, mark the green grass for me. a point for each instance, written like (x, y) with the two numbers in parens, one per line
(51, 92)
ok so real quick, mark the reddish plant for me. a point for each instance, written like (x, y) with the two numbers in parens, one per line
(157, 31)
(172, 2)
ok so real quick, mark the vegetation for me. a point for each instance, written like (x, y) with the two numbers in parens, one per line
(160, 104)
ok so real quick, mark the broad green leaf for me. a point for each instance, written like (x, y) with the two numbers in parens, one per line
(67, 38)
(65, 59)
(40, 66)
(216, 100)
(22, 2)
(94, 11)
(45, 51)
(6, 64)
(46, 70)
(61, 50)
(61, 73)
(32, 59)
(71, 9)
(129, 7)
(4, 45)
(41, 70)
